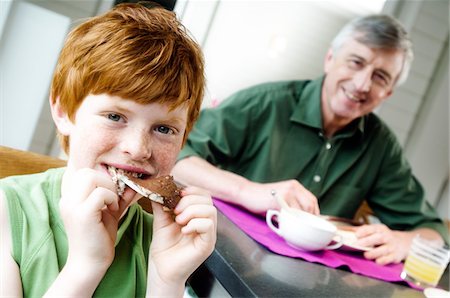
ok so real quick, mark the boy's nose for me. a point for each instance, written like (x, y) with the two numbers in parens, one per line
(138, 145)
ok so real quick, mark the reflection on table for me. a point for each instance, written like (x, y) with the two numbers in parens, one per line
(240, 267)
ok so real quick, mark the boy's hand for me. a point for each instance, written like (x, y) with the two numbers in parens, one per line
(179, 247)
(91, 209)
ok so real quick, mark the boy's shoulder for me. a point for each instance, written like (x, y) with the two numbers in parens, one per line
(44, 189)
(30, 181)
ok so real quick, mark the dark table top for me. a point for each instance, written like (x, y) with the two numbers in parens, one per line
(240, 267)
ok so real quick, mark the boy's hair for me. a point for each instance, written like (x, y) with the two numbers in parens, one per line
(378, 31)
(138, 53)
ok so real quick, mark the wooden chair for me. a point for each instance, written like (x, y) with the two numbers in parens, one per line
(363, 213)
(18, 162)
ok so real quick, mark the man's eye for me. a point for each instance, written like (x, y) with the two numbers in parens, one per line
(380, 79)
(355, 63)
(114, 117)
(164, 130)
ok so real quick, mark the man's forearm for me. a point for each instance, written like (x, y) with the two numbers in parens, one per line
(255, 197)
(428, 234)
(222, 184)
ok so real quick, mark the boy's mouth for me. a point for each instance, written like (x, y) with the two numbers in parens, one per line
(162, 190)
(118, 176)
(114, 171)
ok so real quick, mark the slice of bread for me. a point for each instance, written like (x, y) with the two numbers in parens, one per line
(162, 190)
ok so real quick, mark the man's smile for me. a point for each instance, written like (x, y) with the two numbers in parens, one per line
(351, 96)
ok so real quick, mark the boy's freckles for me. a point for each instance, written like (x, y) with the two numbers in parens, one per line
(166, 158)
(108, 129)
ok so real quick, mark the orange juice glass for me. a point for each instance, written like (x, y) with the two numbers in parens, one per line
(425, 263)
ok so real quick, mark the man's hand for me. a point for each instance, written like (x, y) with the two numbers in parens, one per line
(258, 198)
(389, 246)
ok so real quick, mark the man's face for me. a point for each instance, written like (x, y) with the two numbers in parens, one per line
(111, 131)
(358, 79)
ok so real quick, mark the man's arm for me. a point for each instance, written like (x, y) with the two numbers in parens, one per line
(194, 170)
(230, 187)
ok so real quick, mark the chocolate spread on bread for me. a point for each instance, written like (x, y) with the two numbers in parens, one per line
(164, 186)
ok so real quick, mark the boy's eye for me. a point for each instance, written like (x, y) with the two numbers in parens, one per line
(164, 130)
(114, 117)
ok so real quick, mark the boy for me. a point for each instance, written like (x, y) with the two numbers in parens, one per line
(126, 90)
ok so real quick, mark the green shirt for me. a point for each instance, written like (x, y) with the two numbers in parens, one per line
(273, 132)
(39, 242)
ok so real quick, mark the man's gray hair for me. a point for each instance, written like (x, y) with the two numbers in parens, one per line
(378, 31)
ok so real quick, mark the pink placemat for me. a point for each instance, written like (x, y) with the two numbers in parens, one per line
(256, 227)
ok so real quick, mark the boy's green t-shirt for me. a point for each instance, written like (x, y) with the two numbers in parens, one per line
(39, 241)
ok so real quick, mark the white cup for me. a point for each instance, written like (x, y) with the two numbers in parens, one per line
(304, 230)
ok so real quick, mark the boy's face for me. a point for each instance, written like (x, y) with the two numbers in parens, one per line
(111, 131)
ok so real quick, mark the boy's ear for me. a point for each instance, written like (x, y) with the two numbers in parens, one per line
(61, 119)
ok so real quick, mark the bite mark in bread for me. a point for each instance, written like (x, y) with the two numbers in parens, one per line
(162, 190)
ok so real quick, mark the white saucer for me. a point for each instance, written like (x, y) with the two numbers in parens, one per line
(348, 240)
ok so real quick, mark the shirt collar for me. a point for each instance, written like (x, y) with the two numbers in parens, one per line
(308, 110)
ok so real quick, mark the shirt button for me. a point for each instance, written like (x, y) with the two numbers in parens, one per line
(320, 134)
(328, 146)
(317, 178)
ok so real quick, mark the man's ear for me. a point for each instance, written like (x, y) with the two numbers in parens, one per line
(60, 117)
(389, 93)
(328, 59)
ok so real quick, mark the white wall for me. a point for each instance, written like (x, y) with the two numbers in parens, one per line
(428, 148)
(248, 42)
(28, 52)
(5, 6)
(245, 42)
(418, 112)
(32, 33)
(427, 23)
